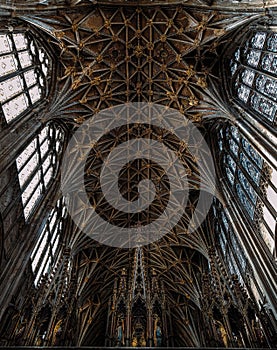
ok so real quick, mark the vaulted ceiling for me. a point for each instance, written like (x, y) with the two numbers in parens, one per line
(109, 55)
(116, 54)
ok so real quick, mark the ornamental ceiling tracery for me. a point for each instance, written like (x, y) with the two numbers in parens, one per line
(113, 55)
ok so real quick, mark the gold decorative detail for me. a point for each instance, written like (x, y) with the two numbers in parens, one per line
(96, 31)
(83, 100)
(79, 120)
(138, 33)
(113, 67)
(99, 58)
(202, 82)
(197, 118)
(59, 34)
(163, 67)
(193, 101)
(95, 81)
(150, 46)
(107, 23)
(69, 70)
(182, 80)
(134, 342)
(88, 71)
(171, 95)
(163, 38)
(74, 27)
(219, 32)
(75, 84)
(170, 23)
(190, 72)
(178, 58)
(196, 42)
(138, 50)
(180, 30)
(138, 87)
(202, 25)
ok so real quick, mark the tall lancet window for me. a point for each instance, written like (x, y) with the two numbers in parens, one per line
(37, 165)
(24, 73)
(232, 251)
(46, 252)
(253, 72)
(252, 181)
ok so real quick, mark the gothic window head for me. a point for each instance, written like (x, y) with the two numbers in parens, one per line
(25, 68)
(253, 74)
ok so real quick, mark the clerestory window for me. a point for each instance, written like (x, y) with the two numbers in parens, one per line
(37, 164)
(24, 73)
(251, 180)
(232, 251)
(253, 73)
(46, 253)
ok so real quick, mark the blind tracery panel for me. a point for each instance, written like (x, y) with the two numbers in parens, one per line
(24, 73)
(253, 70)
(37, 164)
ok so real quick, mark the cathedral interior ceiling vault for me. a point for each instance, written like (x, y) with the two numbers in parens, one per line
(111, 55)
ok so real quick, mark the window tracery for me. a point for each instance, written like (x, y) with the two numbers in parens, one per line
(36, 165)
(232, 251)
(243, 164)
(253, 73)
(45, 253)
(24, 73)
(252, 179)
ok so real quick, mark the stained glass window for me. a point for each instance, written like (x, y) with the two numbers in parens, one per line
(253, 72)
(231, 249)
(241, 164)
(268, 224)
(24, 71)
(246, 175)
(44, 256)
(37, 164)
